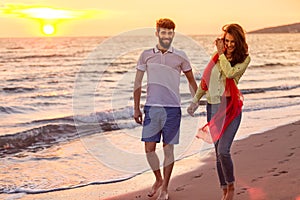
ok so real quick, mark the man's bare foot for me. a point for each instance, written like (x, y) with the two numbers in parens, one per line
(154, 188)
(163, 196)
(230, 192)
(224, 193)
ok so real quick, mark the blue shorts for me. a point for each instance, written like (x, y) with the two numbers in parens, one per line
(161, 121)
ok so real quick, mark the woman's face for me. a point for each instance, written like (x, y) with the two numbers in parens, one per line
(229, 43)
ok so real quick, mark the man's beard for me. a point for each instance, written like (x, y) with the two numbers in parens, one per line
(166, 46)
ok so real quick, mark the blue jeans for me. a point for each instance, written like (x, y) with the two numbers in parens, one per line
(222, 147)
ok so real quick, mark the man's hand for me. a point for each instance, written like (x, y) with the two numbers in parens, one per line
(138, 116)
(192, 108)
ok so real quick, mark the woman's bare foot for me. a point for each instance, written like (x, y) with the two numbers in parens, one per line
(163, 196)
(154, 188)
(224, 193)
(230, 192)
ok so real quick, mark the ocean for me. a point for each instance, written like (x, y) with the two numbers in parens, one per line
(66, 105)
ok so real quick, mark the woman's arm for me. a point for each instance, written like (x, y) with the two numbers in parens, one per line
(199, 94)
(236, 70)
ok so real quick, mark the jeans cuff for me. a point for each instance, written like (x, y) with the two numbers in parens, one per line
(223, 186)
(230, 183)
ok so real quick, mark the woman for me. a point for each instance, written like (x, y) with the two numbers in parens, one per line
(224, 100)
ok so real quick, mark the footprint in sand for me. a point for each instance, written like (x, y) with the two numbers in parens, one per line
(243, 190)
(272, 140)
(296, 123)
(272, 170)
(286, 160)
(179, 188)
(237, 152)
(259, 145)
(291, 154)
(283, 161)
(280, 173)
(256, 179)
(198, 176)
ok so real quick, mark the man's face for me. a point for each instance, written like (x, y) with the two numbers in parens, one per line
(165, 37)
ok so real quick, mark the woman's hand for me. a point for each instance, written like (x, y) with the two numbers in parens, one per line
(220, 46)
(192, 108)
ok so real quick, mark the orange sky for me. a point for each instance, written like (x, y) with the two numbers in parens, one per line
(102, 18)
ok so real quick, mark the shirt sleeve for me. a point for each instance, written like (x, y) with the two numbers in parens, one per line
(141, 63)
(236, 70)
(186, 64)
(199, 94)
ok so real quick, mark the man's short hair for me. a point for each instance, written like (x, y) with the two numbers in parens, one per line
(165, 23)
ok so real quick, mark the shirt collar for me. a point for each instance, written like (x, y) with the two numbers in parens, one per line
(156, 50)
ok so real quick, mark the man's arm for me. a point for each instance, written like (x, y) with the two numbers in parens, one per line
(193, 88)
(138, 117)
(192, 83)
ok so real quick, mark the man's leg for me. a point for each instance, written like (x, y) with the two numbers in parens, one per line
(168, 168)
(153, 161)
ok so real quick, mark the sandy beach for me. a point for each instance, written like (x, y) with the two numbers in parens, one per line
(267, 167)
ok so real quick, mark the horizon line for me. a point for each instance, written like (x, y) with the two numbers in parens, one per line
(86, 36)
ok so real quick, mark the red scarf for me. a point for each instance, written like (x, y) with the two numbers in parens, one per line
(229, 108)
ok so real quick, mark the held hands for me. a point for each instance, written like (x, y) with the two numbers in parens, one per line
(138, 116)
(192, 108)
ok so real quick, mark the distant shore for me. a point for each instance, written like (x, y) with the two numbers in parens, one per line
(266, 167)
(289, 28)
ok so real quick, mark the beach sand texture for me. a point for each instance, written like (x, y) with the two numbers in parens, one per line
(267, 167)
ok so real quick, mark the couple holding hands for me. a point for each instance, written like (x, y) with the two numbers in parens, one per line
(162, 112)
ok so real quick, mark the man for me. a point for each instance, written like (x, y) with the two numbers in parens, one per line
(163, 65)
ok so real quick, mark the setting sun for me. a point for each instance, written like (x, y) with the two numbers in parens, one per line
(48, 17)
(48, 29)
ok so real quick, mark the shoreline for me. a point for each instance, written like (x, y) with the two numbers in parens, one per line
(261, 161)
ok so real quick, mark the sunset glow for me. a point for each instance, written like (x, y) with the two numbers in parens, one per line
(47, 16)
(50, 13)
(106, 18)
(45, 13)
(48, 29)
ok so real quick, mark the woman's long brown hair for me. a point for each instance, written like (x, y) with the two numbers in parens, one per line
(241, 47)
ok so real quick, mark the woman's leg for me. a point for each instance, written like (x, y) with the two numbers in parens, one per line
(222, 181)
(224, 162)
(211, 111)
(226, 173)
(223, 149)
